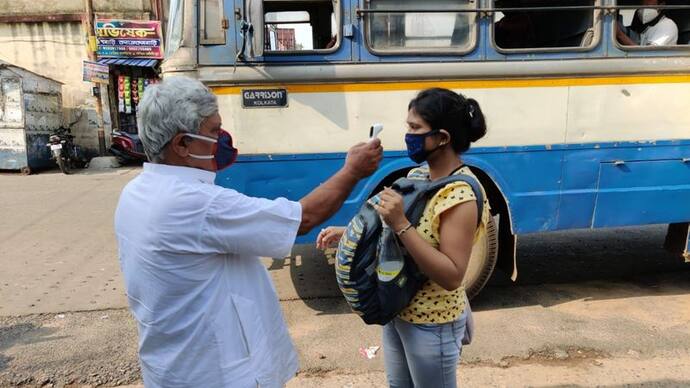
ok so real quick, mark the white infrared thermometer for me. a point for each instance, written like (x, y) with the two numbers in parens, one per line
(375, 130)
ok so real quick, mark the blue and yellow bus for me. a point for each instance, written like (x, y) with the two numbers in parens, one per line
(584, 132)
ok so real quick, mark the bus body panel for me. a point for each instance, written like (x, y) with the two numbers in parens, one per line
(582, 138)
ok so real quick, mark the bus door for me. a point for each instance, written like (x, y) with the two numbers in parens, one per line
(218, 27)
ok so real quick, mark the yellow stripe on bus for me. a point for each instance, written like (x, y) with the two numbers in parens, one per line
(463, 84)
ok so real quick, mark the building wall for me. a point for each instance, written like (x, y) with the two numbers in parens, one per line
(56, 50)
(28, 7)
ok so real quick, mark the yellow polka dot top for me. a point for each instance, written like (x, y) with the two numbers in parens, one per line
(432, 303)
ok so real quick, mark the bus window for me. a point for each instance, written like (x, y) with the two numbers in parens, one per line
(408, 32)
(545, 30)
(300, 26)
(652, 28)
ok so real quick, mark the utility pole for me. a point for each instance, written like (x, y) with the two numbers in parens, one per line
(91, 48)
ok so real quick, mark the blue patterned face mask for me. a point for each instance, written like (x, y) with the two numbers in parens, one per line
(415, 146)
(224, 153)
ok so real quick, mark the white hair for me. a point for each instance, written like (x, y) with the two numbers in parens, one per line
(177, 105)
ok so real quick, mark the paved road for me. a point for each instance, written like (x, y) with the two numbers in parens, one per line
(605, 308)
(57, 249)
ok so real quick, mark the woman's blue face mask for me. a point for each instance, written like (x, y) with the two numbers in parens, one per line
(416, 145)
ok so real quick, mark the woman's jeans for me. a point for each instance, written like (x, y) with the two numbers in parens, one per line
(423, 355)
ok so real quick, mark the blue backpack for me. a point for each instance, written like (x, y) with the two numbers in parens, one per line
(373, 270)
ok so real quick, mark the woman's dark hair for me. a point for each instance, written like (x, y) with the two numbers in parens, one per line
(444, 109)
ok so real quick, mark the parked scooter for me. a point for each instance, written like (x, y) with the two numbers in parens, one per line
(66, 154)
(127, 147)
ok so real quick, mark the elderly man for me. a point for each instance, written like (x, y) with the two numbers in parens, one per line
(207, 312)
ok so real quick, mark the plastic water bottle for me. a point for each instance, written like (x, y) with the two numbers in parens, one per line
(390, 256)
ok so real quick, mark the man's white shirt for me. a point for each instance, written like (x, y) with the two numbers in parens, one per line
(207, 312)
(664, 33)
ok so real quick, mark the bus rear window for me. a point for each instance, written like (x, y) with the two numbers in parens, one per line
(551, 29)
(293, 26)
(405, 31)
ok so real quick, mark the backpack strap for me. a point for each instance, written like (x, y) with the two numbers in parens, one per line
(437, 185)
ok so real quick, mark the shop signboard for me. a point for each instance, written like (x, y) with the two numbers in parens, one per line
(129, 39)
(96, 72)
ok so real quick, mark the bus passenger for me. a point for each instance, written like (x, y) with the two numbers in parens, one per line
(206, 310)
(514, 31)
(422, 346)
(650, 27)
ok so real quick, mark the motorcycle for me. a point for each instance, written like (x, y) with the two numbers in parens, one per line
(66, 154)
(127, 147)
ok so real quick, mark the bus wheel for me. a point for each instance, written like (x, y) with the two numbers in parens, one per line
(482, 261)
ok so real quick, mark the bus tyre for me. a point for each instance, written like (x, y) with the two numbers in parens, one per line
(482, 261)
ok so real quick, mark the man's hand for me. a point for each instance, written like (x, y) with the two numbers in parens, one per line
(619, 32)
(623, 38)
(364, 158)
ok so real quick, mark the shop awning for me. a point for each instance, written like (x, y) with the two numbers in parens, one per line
(129, 62)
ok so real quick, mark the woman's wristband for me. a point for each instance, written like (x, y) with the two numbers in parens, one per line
(403, 230)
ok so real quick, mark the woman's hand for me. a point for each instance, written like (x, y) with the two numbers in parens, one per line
(329, 237)
(391, 209)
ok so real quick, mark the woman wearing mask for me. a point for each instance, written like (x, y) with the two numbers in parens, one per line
(422, 346)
